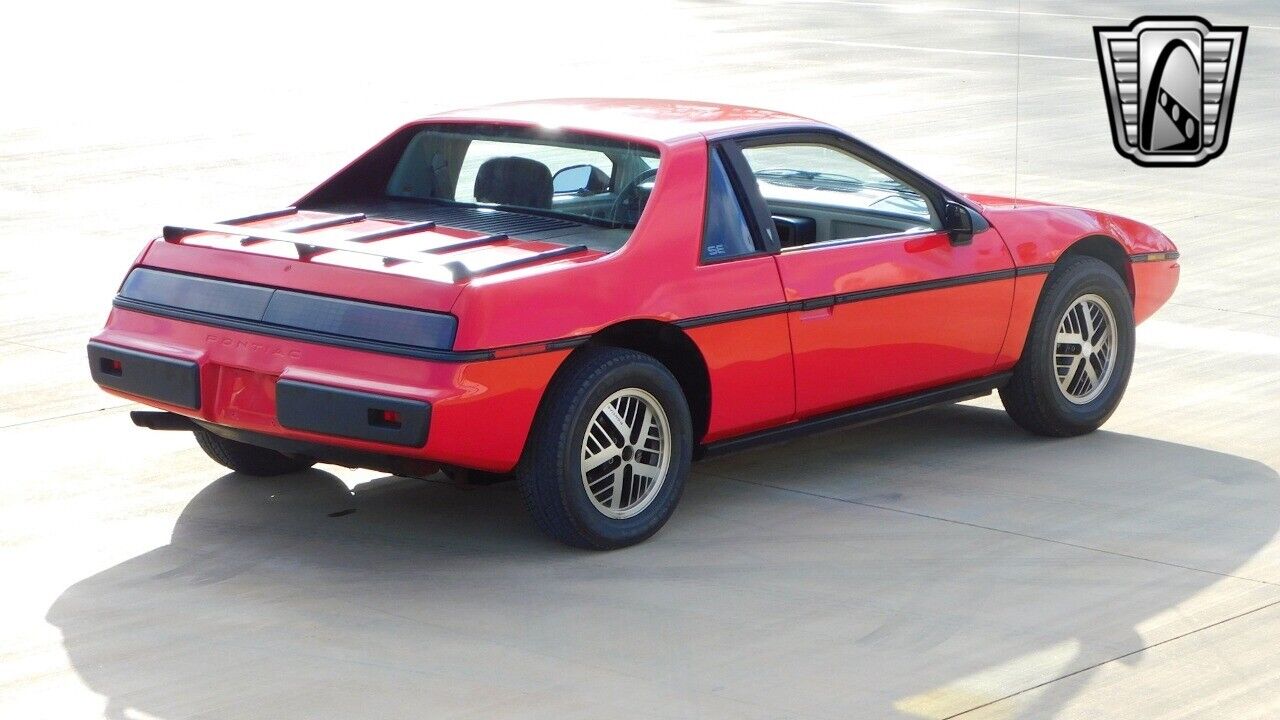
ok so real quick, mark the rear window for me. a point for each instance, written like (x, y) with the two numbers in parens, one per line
(597, 181)
(556, 158)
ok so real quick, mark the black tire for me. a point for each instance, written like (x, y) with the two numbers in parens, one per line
(1033, 397)
(249, 459)
(549, 473)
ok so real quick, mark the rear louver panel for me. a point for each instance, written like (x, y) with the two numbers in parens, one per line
(486, 220)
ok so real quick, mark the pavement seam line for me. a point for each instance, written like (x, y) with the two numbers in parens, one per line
(1069, 16)
(1224, 310)
(978, 526)
(1100, 663)
(16, 343)
(926, 49)
(978, 10)
(61, 417)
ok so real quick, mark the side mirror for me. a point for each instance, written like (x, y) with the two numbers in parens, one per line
(579, 180)
(961, 223)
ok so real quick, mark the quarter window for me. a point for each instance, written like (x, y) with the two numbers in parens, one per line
(725, 233)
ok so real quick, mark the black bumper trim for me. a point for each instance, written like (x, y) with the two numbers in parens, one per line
(261, 328)
(329, 410)
(165, 379)
(342, 319)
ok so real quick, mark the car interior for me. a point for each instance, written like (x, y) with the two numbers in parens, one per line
(596, 191)
(590, 191)
(819, 193)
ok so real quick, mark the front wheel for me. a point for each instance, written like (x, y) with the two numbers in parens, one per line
(609, 452)
(1079, 352)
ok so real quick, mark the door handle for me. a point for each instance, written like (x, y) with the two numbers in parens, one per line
(815, 303)
(817, 308)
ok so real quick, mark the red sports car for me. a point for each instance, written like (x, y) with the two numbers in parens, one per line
(590, 294)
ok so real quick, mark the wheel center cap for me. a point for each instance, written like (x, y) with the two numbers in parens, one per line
(627, 452)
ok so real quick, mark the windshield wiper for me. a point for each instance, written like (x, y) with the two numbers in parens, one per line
(791, 176)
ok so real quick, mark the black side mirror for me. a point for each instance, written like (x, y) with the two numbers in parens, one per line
(580, 180)
(961, 222)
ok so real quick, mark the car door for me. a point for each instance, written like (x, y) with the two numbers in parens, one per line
(882, 302)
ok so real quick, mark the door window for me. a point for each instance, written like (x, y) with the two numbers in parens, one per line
(819, 193)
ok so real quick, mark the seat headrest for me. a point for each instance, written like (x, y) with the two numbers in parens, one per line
(514, 181)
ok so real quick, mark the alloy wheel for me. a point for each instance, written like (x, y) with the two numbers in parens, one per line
(625, 453)
(1085, 349)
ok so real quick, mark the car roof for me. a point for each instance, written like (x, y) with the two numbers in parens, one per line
(660, 121)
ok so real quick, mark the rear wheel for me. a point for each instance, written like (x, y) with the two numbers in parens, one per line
(1079, 352)
(249, 459)
(610, 450)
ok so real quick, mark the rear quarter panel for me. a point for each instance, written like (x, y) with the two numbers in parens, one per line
(655, 276)
(652, 276)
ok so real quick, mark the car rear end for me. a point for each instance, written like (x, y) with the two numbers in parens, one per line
(328, 330)
(325, 335)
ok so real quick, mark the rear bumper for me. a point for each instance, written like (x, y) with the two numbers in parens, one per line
(171, 381)
(326, 410)
(310, 407)
(470, 414)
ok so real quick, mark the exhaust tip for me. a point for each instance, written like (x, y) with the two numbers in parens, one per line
(157, 420)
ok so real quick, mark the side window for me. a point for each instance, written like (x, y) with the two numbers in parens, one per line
(817, 193)
(555, 158)
(725, 233)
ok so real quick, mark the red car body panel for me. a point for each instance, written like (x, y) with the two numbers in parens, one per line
(914, 340)
(750, 366)
(1026, 295)
(1154, 283)
(661, 122)
(783, 336)
(239, 372)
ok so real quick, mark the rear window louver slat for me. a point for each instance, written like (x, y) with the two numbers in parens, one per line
(484, 220)
(499, 225)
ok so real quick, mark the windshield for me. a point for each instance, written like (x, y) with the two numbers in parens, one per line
(591, 180)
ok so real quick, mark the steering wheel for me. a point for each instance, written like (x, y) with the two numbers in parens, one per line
(627, 206)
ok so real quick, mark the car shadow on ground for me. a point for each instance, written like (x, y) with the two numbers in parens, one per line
(964, 558)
